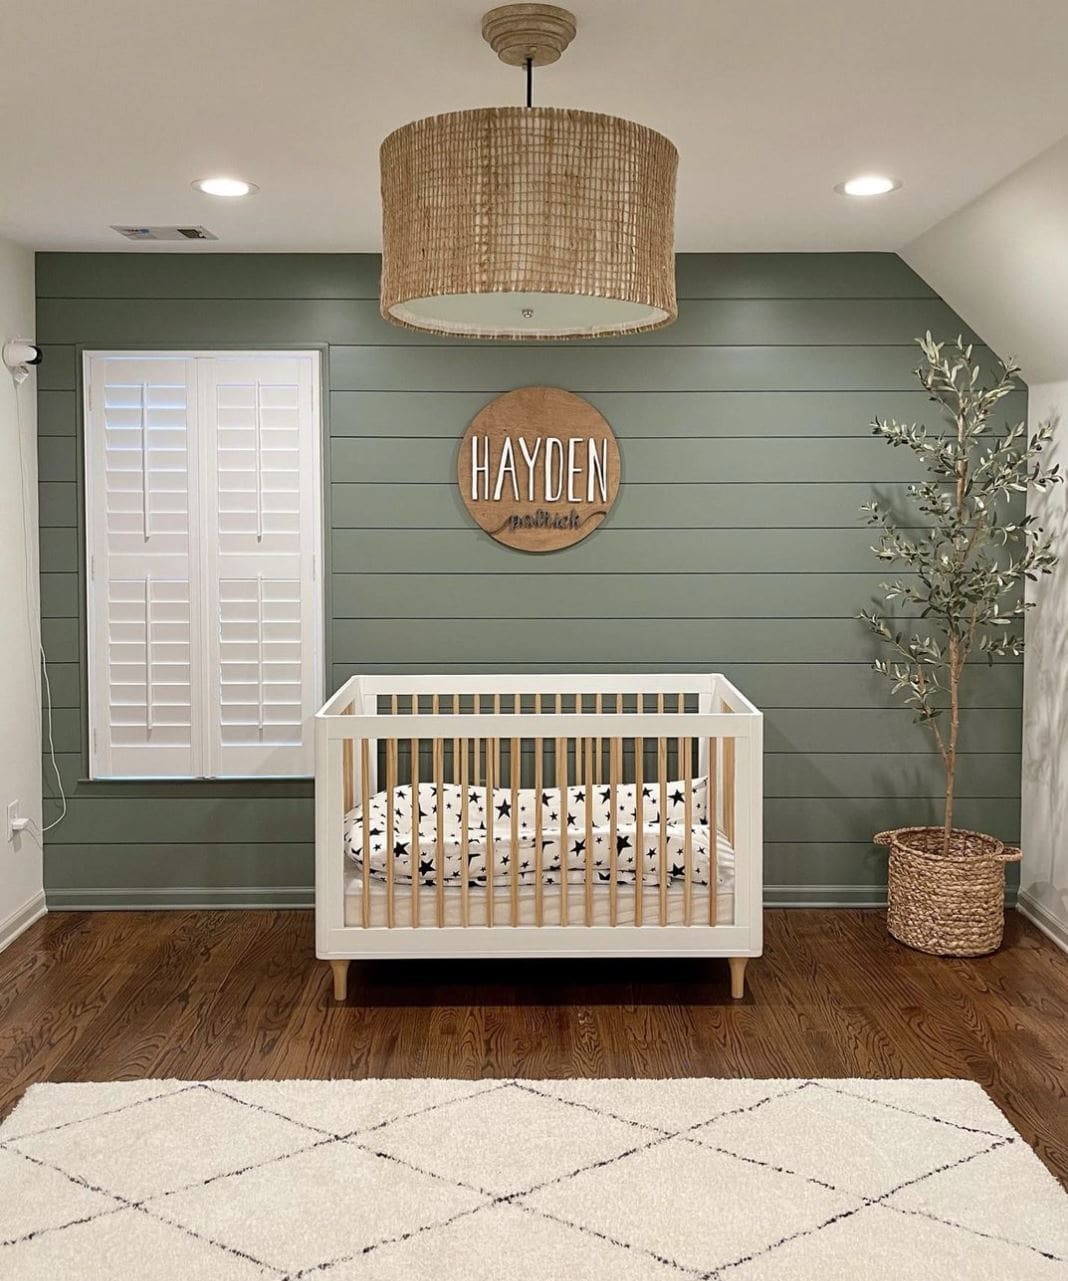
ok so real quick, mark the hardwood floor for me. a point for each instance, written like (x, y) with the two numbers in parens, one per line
(103, 996)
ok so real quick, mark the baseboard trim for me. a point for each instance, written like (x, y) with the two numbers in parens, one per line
(1043, 919)
(180, 898)
(22, 918)
(824, 895)
(184, 898)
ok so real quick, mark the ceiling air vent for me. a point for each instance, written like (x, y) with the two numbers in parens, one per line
(165, 233)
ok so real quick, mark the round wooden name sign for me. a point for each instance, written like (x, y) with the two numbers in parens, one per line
(538, 468)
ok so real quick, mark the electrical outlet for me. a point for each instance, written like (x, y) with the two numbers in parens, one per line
(15, 825)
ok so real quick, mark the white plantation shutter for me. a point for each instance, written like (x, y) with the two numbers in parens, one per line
(202, 540)
(259, 433)
(140, 455)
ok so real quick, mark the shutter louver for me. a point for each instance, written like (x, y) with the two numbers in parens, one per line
(203, 530)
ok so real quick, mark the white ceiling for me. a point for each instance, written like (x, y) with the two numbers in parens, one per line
(119, 104)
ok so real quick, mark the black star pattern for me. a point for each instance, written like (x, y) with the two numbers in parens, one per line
(594, 806)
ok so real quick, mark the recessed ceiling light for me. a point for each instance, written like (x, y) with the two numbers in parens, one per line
(229, 187)
(868, 184)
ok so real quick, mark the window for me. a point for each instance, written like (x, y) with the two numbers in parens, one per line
(203, 540)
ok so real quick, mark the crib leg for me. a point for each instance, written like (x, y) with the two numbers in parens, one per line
(737, 964)
(341, 979)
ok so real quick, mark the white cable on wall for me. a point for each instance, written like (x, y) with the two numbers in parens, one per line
(29, 572)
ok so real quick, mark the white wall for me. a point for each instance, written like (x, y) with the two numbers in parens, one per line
(21, 897)
(1002, 263)
(1044, 820)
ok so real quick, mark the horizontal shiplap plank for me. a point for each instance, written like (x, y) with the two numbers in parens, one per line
(379, 460)
(163, 866)
(57, 414)
(60, 595)
(856, 819)
(638, 370)
(178, 322)
(207, 275)
(703, 644)
(56, 459)
(73, 770)
(58, 504)
(684, 507)
(59, 551)
(140, 821)
(786, 729)
(700, 414)
(66, 682)
(262, 820)
(583, 596)
(157, 864)
(863, 774)
(612, 551)
(60, 638)
(58, 370)
(786, 774)
(769, 685)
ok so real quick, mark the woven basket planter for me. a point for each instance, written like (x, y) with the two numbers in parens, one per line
(946, 904)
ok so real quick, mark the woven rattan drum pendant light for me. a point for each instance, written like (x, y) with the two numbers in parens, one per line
(528, 222)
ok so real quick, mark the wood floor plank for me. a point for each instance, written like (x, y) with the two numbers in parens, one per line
(106, 996)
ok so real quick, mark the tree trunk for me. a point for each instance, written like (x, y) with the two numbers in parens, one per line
(951, 744)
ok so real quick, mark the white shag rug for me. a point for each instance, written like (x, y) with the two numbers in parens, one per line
(671, 1180)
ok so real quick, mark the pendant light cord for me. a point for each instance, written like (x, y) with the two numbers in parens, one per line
(530, 82)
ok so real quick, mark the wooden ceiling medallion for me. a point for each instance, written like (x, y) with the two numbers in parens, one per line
(538, 469)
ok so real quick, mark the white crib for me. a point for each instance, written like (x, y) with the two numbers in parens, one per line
(509, 816)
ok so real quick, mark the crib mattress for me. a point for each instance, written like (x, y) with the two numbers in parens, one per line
(701, 912)
(571, 835)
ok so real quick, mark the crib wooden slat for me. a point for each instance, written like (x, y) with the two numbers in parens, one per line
(348, 767)
(491, 848)
(713, 826)
(454, 773)
(615, 760)
(515, 760)
(639, 824)
(476, 769)
(589, 830)
(661, 764)
(465, 908)
(728, 788)
(439, 851)
(561, 783)
(365, 789)
(598, 744)
(391, 785)
(686, 751)
(539, 749)
(413, 845)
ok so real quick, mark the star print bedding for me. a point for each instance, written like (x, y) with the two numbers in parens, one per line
(570, 834)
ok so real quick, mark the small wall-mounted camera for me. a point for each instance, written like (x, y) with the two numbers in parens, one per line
(18, 354)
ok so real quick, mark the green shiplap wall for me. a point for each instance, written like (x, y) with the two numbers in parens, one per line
(735, 545)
